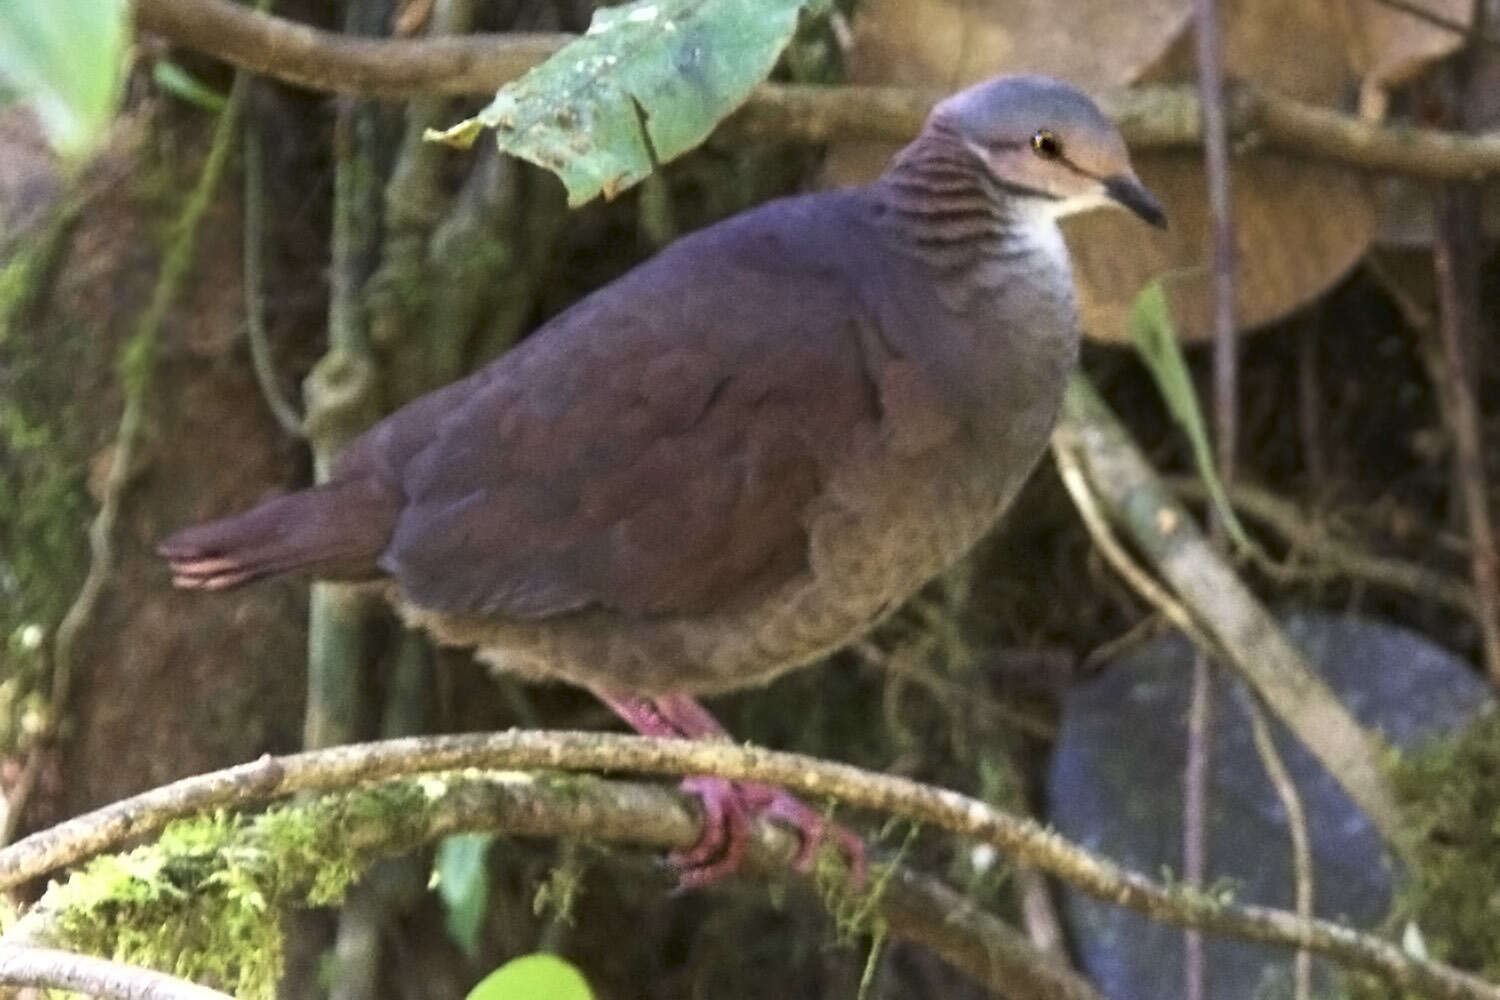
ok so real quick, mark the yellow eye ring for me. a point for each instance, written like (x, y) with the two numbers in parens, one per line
(1045, 144)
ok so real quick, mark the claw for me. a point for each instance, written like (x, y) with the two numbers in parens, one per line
(813, 830)
(726, 831)
(729, 806)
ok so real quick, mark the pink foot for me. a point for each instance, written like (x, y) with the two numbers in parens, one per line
(729, 807)
(814, 829)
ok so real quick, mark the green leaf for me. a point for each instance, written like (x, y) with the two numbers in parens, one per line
(1151, 328)
(647, 83)
(185, 86)
(67, 59)
(533, 977)
(462, 872)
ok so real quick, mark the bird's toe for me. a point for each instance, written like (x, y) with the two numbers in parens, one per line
(721, 843)
(728, 808)
(814, 830)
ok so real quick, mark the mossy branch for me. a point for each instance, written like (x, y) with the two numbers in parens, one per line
(206, 899)
(1021, 838)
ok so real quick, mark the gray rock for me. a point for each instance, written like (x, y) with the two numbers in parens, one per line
(1116, 788)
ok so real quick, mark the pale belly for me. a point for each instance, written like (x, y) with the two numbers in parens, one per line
(880, 531)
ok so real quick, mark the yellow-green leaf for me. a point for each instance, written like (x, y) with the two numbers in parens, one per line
(66, 58)
(533, 977)
(1151, 328)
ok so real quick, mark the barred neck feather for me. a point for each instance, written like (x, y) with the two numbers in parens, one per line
(948, 209)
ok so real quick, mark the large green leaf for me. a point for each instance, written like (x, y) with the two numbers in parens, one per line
(462, 873)
(1152, 329)
(67, 59)
(647, 83)
(533, 977)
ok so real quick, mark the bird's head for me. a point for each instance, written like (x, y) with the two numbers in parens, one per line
(1047, 144)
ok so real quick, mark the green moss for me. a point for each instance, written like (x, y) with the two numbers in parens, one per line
(41, 485)
(1451, 789)
(23, 274)
(43, 505)
(207, 900)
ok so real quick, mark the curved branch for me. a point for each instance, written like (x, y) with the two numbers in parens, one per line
(1022, 838)
(1298, 127)
(913, 907)
(310, 57)
(49, 968)
(1140, 580)
(1167, 536)
(479, 64)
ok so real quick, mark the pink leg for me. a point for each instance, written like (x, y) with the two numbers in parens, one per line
(728, 806)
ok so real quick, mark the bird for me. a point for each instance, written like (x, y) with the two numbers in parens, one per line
(739, 456)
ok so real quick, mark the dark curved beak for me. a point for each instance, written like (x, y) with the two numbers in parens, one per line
(1132, 194)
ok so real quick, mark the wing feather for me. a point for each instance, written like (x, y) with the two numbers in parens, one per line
(651, 450)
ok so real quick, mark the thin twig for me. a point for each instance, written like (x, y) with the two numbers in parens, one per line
(1027, 841)
(1221, 214)
(1310, 404)
(1435, 19)
(1334, 555)
(255, 304)
(1455, 258)
(1199, 764)
(905, 662)
(48, 968)
(479, 64)
(1455, 268)
(1296, 819)
(1097, 524)
(329, 60)
(1195, 784)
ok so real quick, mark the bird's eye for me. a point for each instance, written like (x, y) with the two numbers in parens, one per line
(1046, 144)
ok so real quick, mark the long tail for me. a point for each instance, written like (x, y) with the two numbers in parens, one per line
(334, 531)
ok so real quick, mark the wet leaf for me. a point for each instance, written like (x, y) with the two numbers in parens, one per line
(647, 83)
(462, 874)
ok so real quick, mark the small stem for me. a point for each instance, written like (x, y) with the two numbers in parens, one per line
(1455, 264)
(1199, 765)
(1195, 785)
(1309, 537)
(1296, 820)
(1310, 408)
(255, 305)
(1140, 580)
